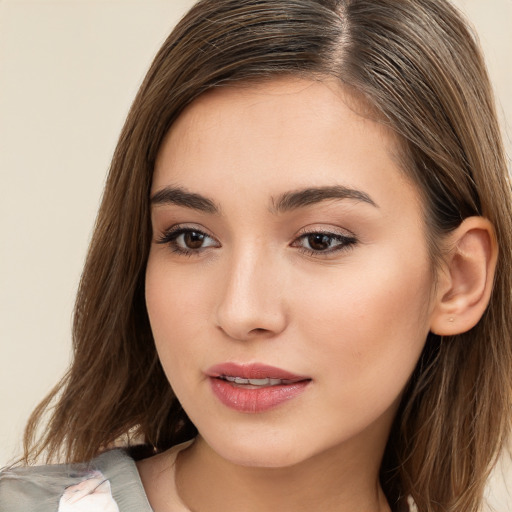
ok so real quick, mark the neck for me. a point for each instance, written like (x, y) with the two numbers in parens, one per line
(336, 480)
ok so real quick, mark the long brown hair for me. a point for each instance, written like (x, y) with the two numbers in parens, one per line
(418, 66)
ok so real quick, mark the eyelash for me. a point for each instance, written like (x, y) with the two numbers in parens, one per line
(344, 242)
(170, 237)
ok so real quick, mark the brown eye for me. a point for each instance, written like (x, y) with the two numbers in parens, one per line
(319, 241)
(193, 239)
(187, 241)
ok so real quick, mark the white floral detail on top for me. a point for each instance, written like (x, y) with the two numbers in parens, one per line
(93, 494)
(412, 505)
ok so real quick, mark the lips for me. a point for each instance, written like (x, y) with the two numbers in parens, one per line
(254, 388)
(254, 382)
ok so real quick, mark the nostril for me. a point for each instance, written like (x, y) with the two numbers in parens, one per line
(259, 331)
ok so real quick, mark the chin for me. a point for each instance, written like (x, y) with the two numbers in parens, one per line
(273, 450)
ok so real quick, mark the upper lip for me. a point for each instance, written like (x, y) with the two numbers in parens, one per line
(253, 371)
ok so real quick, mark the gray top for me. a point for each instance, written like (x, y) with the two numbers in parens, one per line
(109, 483)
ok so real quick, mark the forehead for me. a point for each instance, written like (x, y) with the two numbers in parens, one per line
(299, 105)
(279, 135)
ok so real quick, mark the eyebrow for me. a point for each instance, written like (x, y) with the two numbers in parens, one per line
(308, 196)
(181, 197)
(284, 203)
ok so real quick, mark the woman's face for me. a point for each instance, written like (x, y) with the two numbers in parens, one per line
(288, 283)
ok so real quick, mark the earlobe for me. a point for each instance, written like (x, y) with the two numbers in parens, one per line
(466, 281)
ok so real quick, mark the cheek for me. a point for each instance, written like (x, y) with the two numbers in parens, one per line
(177, 314)
(370, 326)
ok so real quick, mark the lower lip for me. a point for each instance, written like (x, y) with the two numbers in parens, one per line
(252, 400)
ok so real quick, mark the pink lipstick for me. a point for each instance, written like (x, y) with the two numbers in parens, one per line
(254, 388)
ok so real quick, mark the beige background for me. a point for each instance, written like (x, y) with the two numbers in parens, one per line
(68, 72)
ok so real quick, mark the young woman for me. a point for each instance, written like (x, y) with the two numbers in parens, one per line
(298, 292)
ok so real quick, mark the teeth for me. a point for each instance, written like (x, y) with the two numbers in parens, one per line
(254, 382)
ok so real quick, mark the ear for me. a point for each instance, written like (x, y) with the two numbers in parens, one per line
(466, 279)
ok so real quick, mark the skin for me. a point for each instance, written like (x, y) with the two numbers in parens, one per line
(353, 320)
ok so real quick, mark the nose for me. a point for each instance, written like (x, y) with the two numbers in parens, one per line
(251, 304)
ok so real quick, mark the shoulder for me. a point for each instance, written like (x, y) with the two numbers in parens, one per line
(109, 483)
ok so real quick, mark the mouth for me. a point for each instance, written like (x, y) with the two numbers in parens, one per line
(256, 374)
(256, 383)
(254, 388)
